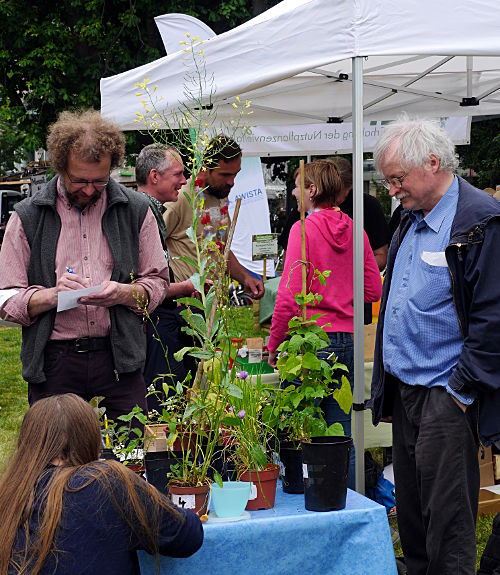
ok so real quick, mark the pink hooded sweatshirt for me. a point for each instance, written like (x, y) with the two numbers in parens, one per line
(329, 246)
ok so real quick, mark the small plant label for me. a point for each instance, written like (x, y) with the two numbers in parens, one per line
(253, 492)
(282, 469)
(264, 247)
(183, 501)
(304, 471)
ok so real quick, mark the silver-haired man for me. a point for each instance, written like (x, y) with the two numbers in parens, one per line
(437, 364)
(159, 173)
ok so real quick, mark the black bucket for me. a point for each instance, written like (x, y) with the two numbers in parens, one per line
(325, 469)
(158, 465)
(291, 467)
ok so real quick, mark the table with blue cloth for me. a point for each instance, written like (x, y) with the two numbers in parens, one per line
(288, 540)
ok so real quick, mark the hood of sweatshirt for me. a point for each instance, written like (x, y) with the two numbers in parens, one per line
(334, 226)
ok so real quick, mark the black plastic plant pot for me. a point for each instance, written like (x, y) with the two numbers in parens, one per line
(291, 467)
(158, 465)
(107, 453)
(325, 469)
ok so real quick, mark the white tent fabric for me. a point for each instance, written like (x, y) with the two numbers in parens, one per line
(294, 62)
(173, 28)
(313, 61)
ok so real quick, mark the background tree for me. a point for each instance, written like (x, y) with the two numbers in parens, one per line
(53, 55)
(483, 153)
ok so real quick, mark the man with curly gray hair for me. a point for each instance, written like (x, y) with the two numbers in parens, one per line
(82, 230)
(437, 367)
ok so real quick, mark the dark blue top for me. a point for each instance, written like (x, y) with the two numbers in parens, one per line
(93, 536)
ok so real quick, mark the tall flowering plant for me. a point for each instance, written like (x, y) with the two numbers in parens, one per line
(197, 409)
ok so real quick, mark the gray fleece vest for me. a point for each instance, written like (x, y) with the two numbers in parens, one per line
(121, 224)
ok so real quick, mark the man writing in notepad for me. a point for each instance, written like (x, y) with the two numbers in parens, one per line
(84, 229)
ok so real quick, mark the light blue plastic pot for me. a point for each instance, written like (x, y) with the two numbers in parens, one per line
(230, 501)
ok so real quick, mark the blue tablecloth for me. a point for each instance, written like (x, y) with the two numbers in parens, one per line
(288, 540)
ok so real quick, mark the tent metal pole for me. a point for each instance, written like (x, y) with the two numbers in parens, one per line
(358, 267)
(469, 76)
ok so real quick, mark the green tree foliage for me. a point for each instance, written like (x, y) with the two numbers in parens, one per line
(483, 153)
(53, 55)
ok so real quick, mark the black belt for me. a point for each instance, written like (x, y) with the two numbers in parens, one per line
(82, 344)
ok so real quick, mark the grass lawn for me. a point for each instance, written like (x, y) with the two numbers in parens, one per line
(14, 393)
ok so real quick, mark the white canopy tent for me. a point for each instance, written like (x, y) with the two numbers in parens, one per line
(313, 61)
(294, 62)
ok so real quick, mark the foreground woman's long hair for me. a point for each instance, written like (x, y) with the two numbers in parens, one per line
(64, 430)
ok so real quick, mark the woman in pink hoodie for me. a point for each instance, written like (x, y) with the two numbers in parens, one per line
(329, 246)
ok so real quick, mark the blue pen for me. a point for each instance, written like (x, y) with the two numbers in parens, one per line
(69, 270)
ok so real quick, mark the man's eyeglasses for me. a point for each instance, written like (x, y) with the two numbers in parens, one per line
(395, 181)
(78, 184)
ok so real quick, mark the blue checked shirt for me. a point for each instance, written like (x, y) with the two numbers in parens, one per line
(422, 338)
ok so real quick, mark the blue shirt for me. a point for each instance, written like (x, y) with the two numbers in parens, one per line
(422, 337)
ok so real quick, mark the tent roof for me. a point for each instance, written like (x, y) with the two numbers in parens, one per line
(294, 62)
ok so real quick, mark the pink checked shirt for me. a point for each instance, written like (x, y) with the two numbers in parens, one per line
(83, 247)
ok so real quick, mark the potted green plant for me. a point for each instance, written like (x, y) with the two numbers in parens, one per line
(251, 425)
(127, 438)
(311, 380)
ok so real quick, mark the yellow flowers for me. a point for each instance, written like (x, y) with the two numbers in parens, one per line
(193, 124)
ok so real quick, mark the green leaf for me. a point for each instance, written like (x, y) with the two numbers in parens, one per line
(200, 354)
(197, 322)
(258, 456)
(218, 479)
(295, 343)
(297, 399)
(335, 429)
(310, 361)
(192, 302)
(234, 391)
(197, 284)
(178, 355)
(187, 260)
(343, 395)
(190, 233)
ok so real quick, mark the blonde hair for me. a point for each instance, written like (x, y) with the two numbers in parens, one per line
(325, 175)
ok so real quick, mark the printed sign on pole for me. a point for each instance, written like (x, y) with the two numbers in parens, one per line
(264, 247)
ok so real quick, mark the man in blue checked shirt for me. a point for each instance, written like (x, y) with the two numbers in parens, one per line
(437, 359)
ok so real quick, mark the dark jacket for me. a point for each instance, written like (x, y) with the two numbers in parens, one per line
(93, 535)
(475, 282)
(121, 223)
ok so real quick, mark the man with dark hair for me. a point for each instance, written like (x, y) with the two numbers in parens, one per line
(84, 229)
(436, 370)
(222, 164)
(159, 173)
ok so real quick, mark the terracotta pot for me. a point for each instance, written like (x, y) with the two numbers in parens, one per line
(263, 489)
(194, 498)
